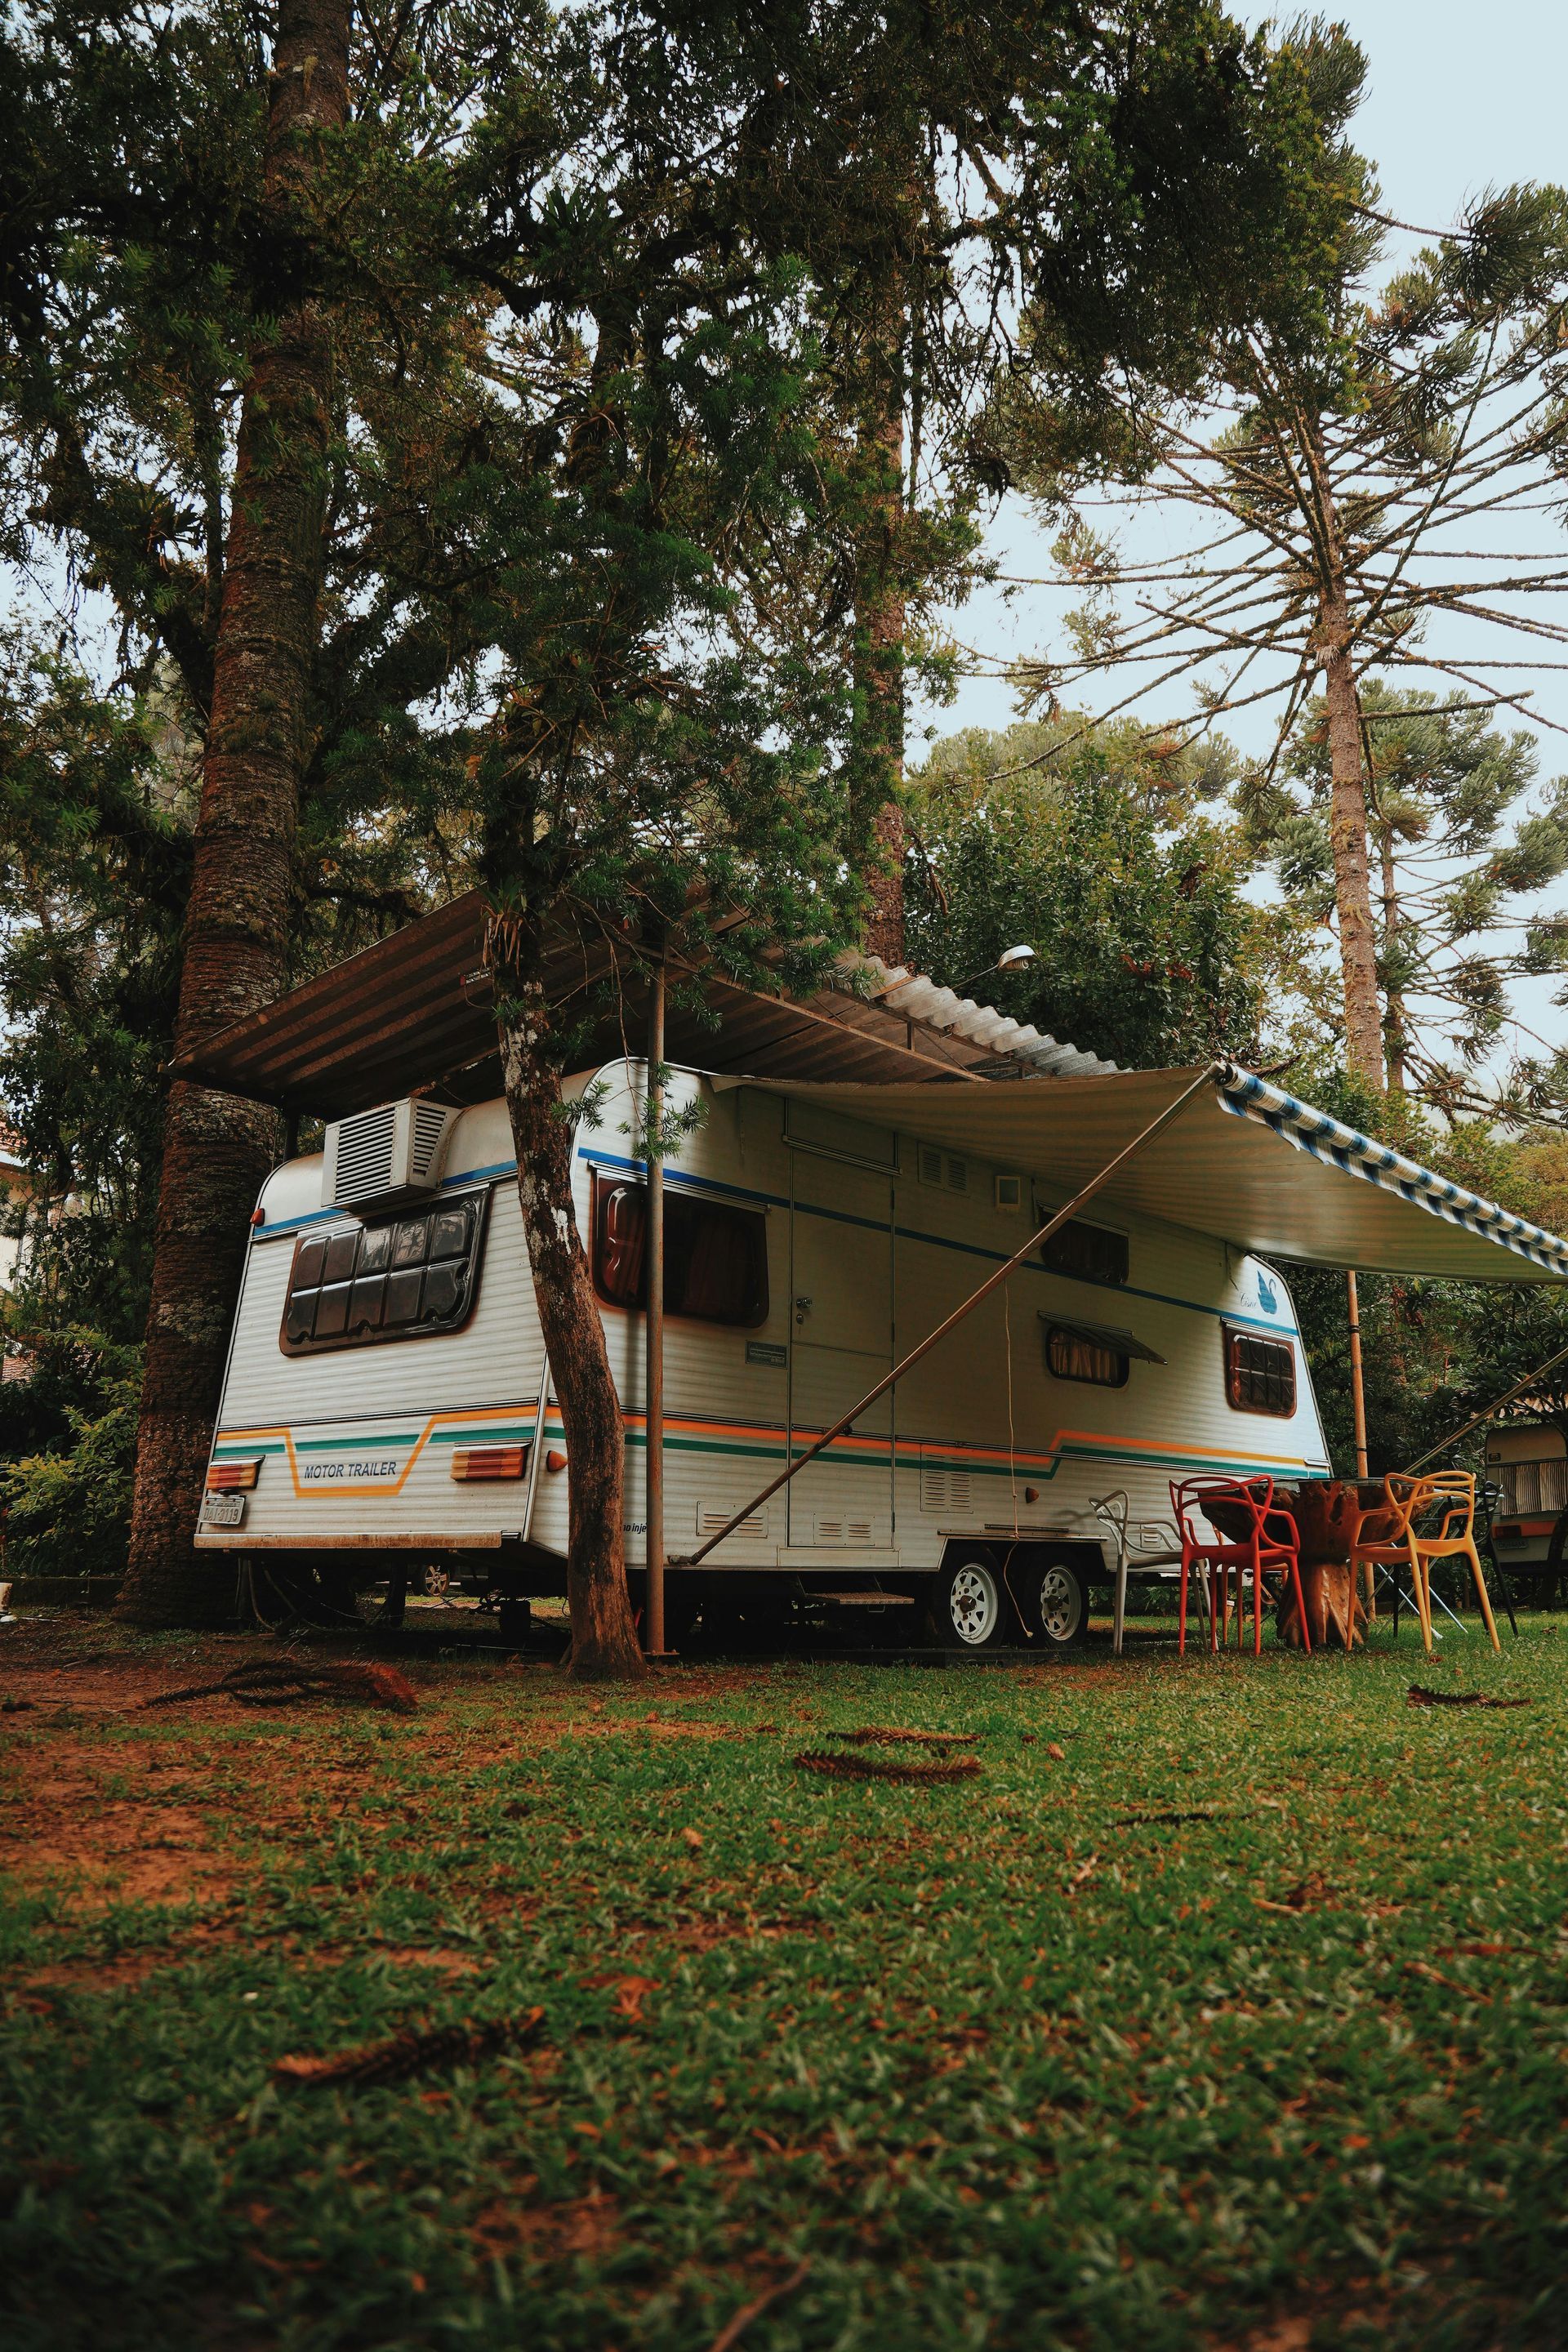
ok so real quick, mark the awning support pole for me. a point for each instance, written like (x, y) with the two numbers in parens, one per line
(1036, 1241)
(653, 1152)
(536, 1450)
(1358, 1415)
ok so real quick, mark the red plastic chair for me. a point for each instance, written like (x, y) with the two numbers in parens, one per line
(1261, 1535)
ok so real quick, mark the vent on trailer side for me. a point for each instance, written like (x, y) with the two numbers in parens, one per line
(385, 1154)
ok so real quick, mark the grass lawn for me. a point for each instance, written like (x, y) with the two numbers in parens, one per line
(1003, 2065)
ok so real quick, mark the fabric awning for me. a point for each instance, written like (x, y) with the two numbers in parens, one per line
(1244, 1162)
(1103, 1335)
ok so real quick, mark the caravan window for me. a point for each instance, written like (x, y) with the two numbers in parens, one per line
(1073, 1356)
(1259, 1374)
(715, 1255)
(405, 1277)
(1092, 1253)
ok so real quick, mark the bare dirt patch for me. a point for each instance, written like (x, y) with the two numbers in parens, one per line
(60, 1829)
(585, 2226)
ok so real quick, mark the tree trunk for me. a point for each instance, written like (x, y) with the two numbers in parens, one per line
(1347, 804)
(216, 1150)
(880, 619)
(1395, 1034)
(1347, 834)
(604, 1635)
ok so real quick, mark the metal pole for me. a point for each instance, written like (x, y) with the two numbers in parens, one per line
(1358, 1423)
(537, 1449)
(653, 1119)
(1358, 1397)
(1034, 1242)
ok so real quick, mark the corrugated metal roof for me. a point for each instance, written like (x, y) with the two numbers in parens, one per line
(417, 1010)
(937, 1008)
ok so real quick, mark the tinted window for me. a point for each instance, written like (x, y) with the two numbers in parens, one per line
(1259, 1373)
(1071, 1356)
(403, 1278)
(715, 1255)
(1089, 1252)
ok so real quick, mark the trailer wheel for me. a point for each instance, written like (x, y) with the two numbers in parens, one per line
(1057, 1601)
(969, 1609)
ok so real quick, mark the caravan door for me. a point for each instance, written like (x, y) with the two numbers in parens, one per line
(841, 1282)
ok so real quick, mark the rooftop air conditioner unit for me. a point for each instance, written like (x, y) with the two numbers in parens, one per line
(385, 1154)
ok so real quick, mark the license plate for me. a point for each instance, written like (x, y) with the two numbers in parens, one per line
(226, 1510)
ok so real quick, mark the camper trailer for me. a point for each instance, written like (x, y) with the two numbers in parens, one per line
(387, 1395)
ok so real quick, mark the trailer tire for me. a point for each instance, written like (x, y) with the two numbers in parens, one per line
(1056, 1601)
(970, 1607)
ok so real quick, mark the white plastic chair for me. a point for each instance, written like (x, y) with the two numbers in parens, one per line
(1156, 1542)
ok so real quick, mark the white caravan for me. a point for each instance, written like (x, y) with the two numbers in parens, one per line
(387, 1391)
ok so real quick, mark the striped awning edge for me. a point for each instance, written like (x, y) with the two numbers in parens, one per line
(1312, 1131)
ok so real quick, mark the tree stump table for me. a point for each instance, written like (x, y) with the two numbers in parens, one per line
(1329, 1514)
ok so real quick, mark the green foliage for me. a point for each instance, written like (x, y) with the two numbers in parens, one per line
(96, 803)
(67, 1451)
(1098, 853)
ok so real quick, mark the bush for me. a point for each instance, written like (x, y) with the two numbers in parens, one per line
(67, 1500)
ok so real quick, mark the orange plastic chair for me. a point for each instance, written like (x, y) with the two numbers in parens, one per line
(1268, 1538)
(1452, 1494)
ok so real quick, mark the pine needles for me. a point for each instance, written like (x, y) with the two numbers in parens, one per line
(400, 2055)
(836, 1767)
(1419, 1696)
(291, 1682)
(885, 1736)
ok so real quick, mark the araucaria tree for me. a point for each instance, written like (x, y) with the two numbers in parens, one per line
(1461, 843)
(1355, 479)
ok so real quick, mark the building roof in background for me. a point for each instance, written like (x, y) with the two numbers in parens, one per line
(417, 1011)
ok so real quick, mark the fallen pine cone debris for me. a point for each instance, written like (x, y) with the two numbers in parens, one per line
(401, 2055)
(879, 1767)
(1419, 1696)
(273, 1683)
(883, 1735)
(730, 2336)
(1201, 1813)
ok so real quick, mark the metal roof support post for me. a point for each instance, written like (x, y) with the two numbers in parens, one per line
(1358, 1421)
(653, 1152)
(993, 1282)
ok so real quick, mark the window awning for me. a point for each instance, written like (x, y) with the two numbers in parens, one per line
(1103, 1335)
(1245, 1162)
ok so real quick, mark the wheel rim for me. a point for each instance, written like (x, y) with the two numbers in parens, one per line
(1061, 1605)
(974, 1603)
